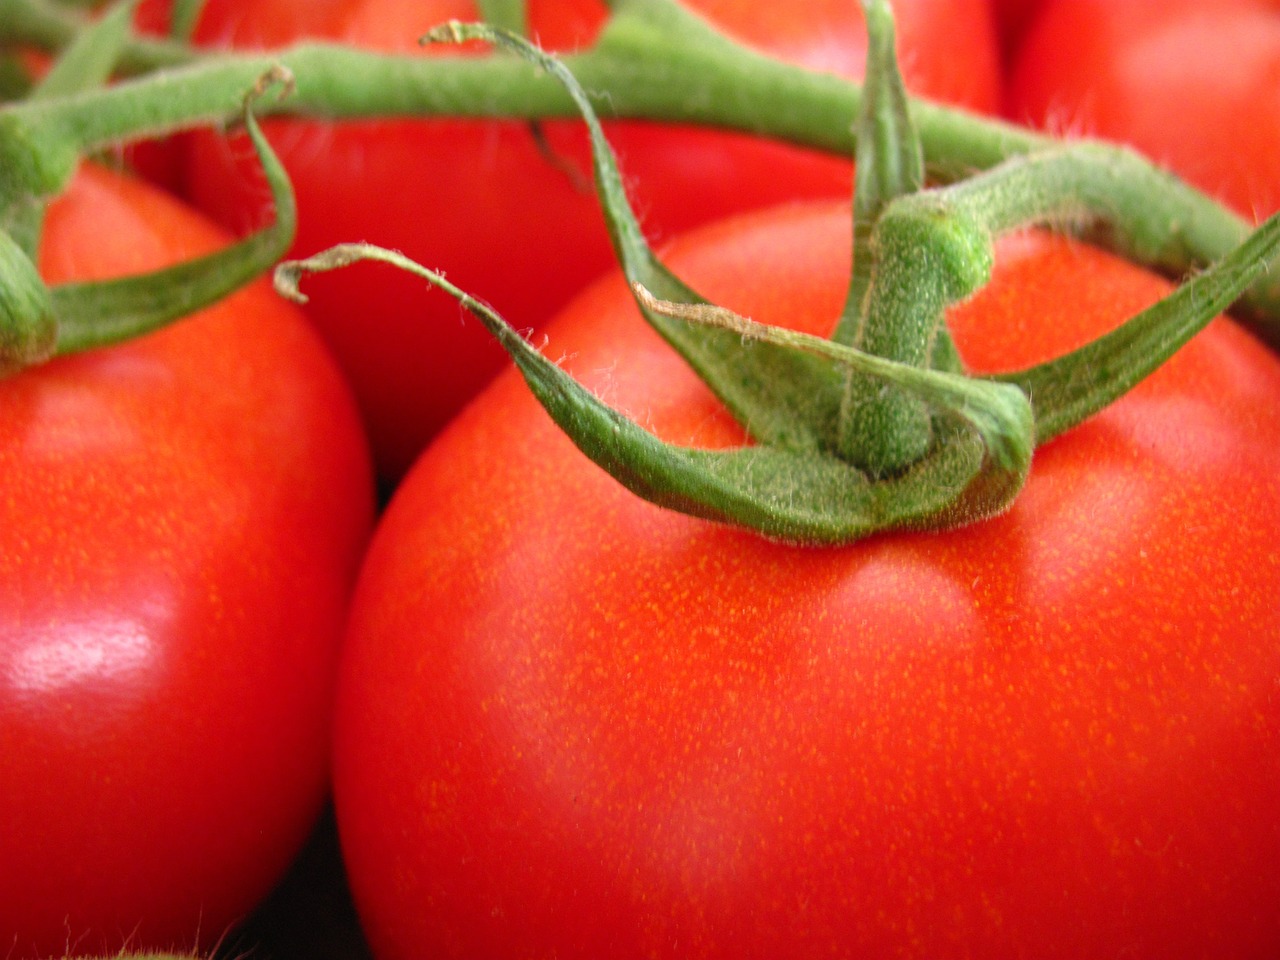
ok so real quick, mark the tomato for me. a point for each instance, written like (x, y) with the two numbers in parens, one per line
(181, 520)
(572, 724)
(1195, 84)
(483, 202)
(160, 161)
(1013, 19)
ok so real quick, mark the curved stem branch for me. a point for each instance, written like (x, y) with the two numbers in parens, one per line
(1125, 203)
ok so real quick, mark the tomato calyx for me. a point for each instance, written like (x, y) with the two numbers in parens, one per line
(878, 428)
(791, 484)
(28, 327)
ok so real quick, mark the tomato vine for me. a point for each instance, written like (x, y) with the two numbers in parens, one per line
(654, 60)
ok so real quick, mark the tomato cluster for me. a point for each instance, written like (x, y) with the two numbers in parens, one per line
(553, 719)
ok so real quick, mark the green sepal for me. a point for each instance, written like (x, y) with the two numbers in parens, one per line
(36, 161)
(509, 15)
(943, 488)
(28, 329)
(15, 79)
(185, 16)
(104, 312)
(889, 161)
(89, 60)
(800, 497)
(1067, 390)
(24, 221)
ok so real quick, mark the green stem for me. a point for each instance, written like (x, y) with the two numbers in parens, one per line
(1118, 199)
(51, 27)
(927, 257)
(655, 60)
(934, 248)
(883, 429)
(186, 13)
(90, 60)
(510, 15)
(1111, 191)
(28, 326)
(888, 163)
(665, 80)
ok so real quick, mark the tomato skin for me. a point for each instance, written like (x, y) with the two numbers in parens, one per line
(571, 724)
(482, 202)
(1013, 19)
(1195, 84)
(181, 521)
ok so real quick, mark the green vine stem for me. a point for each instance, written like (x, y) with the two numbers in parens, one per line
(654, 60)
(91, 57)
(186, 13)
(45, 25)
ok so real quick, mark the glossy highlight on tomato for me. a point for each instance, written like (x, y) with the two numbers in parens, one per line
(572, 724)
(511, 220)
(181, 518)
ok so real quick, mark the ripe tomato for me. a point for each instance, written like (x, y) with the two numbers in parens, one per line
(1013, 19)
(500, 216)
(571, 724)
(1195, 84)
(181, 518)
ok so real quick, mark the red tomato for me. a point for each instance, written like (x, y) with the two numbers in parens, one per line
(1195, 84)
(160, 161)
(1013, 18)
(180, 523)
(481, 201)
(572, 724)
